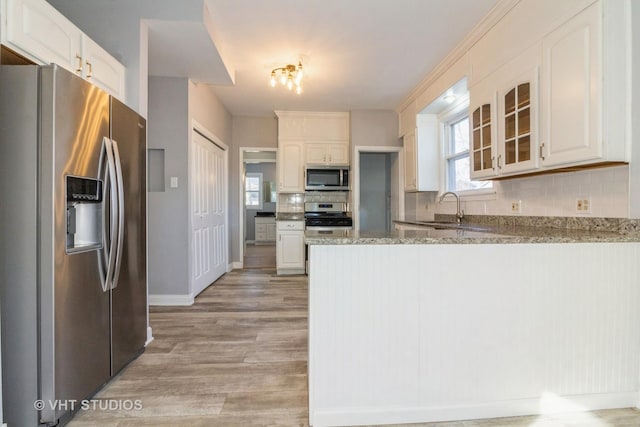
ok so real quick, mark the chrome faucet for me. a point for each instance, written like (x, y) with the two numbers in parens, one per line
(459, 212)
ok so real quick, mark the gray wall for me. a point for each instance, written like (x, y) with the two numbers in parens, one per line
(374, 128)
(246, 132)
(268, 171)
(168, 129)
(173, 104)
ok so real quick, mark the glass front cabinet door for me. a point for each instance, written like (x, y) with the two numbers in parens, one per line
(482, 108)
(517, 105)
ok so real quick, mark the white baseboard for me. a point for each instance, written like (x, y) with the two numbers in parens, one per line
(236, 265)
(510, 408)
(149, 336)
(171, 299)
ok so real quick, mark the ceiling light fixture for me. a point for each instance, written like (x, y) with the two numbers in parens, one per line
(449, 98)
(289, 76)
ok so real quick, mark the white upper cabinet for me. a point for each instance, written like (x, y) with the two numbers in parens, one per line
(563, 102)
(504, 119)
(422, 155)
(329, 154)
(572, 90)
(309, 138)
(410, 161)
(290, 167)
(36, 30)
(483, 138)
(585, 88)
(102, 69)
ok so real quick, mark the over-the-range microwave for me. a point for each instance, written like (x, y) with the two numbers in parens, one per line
(335, 178)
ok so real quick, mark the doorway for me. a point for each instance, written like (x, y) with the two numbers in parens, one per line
(258, 207)
(375, 191)
(377, 188)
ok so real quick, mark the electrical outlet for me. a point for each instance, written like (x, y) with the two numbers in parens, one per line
(516, 207)
(583, 205)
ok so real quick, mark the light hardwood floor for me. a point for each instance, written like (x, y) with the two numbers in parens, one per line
(260, 256)
(237, 357)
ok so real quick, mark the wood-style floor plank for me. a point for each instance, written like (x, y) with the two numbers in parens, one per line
(238, 358)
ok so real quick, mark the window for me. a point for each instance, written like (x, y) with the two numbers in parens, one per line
(253, 191)
(456, 149)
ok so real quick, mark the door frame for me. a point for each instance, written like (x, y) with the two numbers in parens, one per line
(241, 210)
(202, 130)
(355, 178)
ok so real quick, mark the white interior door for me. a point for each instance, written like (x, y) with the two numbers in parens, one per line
(208, 213)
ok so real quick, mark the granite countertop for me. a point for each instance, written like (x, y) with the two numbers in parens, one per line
(290, 216)
(476, 233)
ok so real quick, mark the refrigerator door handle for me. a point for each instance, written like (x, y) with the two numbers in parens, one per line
(120, 190)
(108, 175)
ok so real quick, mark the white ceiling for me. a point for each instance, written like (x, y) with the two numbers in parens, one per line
(357, 54)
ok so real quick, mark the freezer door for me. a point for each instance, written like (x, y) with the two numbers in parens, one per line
(74, 317)
(129, 295)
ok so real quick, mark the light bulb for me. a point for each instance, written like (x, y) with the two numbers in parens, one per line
(283, 77)
(299, 73)
(290, 83)
(298, 90)
(273, 79)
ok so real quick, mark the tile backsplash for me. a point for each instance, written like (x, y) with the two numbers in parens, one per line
(294, 202)
(607, 190)
(290, 202)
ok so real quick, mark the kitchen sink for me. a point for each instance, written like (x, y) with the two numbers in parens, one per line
(445, 225)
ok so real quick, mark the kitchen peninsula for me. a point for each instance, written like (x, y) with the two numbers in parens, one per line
(489, 320)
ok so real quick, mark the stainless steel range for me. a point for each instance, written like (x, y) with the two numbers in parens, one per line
(327, 216)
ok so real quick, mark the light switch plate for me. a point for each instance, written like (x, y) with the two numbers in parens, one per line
(174, 182)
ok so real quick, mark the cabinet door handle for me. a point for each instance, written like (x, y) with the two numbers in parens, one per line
(493, 162)
(499, 157)
(79, 67)
(90, 73)
(542, 151)
(330, 158)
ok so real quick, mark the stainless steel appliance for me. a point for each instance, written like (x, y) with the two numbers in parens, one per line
(73, 248)
(327, 216)
(332, 178)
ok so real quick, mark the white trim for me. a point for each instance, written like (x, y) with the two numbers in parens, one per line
(241, 207)
(508, 408)
(236, 265)
(171, 299)
(355, 179)
(149, 336)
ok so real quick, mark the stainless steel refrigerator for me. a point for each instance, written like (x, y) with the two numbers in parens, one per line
(73, 241)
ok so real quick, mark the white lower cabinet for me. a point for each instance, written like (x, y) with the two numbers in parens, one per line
(265, 228)
(290, 247)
